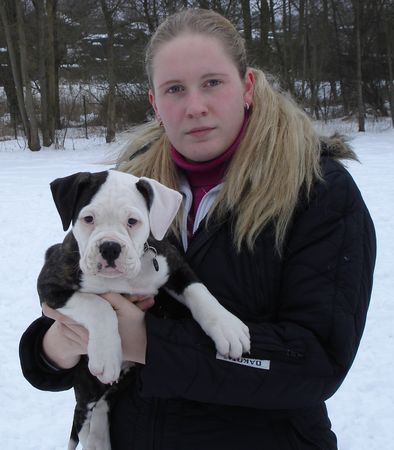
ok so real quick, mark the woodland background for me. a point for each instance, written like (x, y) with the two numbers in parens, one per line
(70, 63)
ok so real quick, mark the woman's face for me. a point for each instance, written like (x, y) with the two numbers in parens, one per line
(198, 95)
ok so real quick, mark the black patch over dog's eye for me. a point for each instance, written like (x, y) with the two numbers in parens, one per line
(88, 219)
(131, 222)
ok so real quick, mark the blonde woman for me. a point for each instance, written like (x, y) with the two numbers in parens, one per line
(273, 225)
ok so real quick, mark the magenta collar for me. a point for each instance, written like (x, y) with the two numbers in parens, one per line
(208, 173)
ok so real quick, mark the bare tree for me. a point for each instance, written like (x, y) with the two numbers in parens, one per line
(52, 69)
(357, 7)
(247, 22)
(264, 16)
(21, 74)
(150, 11)
(390, 79)
(47, 132)
(13, 57)
(33, 137)
(109, 10)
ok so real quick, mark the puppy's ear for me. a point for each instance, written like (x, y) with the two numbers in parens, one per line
(163, 204)
(72, 193)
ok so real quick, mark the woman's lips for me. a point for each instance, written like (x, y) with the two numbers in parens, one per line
(200, 132)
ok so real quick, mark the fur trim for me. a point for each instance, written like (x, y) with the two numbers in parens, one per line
(337, 147)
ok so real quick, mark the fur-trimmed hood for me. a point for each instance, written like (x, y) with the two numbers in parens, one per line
(337, 147)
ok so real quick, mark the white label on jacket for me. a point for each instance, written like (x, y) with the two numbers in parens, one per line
(256, 363)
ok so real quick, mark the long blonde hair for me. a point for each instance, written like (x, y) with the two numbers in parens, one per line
(278, 154)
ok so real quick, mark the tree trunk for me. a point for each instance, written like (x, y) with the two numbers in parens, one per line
(303, 39)
(111, 98)
(247, 22)
(359, 76)
(285, 46)
(340, 71)
(47, 138)
(390, 84)
(14, 67)
(6, 79)
(52, 108)
(264, 31)
(275, 35)
(33, 137)
(315, 77)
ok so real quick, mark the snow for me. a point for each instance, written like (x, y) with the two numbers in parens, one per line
(362, 411)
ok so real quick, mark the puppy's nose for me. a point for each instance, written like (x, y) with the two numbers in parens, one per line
(110, 251)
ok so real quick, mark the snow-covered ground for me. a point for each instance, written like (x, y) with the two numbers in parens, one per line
(362, 411)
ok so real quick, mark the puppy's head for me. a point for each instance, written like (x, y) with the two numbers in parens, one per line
(112, 215)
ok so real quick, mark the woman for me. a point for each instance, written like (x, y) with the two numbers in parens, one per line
(273, 225)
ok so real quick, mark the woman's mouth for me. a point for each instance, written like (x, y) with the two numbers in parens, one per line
(200, 132)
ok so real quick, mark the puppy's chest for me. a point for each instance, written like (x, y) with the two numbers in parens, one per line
(150, 278)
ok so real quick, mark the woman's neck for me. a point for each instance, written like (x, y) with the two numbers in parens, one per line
(208, 173)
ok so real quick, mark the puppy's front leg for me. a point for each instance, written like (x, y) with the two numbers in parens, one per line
(104, 346)
(230, 334)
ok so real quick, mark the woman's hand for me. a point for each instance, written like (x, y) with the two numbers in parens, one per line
(131, 324)
(143, 302)
(66, 340)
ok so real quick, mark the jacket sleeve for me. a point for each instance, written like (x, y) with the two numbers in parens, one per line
(37, 371)
(308, 349)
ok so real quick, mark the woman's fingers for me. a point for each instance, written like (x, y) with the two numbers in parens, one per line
(49, 312)
(145, 303)
(119, 301)
(70, 329)
(142, 301)
(76, 333)
(56, 315)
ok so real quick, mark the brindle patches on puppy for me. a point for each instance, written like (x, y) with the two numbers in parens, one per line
(56, 287)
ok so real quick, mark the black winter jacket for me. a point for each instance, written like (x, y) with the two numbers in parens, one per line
(306, 312)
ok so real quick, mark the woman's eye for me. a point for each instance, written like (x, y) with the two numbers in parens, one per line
(212, 83)
(88, 219)
(175, 89)
(132, 222)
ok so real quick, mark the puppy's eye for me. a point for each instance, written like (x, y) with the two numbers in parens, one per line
(88, 219)
(131, 222)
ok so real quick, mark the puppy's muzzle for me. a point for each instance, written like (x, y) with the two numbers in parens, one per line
(110, 252)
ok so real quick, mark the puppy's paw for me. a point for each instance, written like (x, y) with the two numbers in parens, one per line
(105, 359)
(231, 335)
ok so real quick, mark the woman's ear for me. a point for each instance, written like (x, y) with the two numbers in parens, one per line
(151, 98)
(249, 86)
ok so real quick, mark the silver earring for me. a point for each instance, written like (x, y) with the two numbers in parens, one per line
(247, 106)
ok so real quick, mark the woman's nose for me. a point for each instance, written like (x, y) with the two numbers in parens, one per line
(196, 106)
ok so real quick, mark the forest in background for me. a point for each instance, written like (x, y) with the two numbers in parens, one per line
(73, 63)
